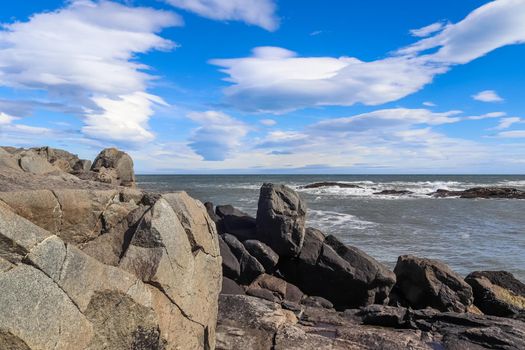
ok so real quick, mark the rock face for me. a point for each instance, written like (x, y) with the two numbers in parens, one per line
(107, 270)
(429, 283)
(344, 275)
(114, 166)
(251, 323)
(498, 293)
(280, 219)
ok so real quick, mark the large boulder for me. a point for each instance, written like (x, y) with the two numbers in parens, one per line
(264, 254)
(430, 283)
(230, 265)
(114, 166)
(33, 163)
(235, 222)
(498, 293)
(274, 289)
(61, 159)
(344, 275)
(280, 219)
(161, 293)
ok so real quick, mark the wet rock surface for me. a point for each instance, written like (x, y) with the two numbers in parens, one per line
(330, 184)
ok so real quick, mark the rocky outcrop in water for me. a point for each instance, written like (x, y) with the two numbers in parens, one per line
(482, 192)
(330, 184)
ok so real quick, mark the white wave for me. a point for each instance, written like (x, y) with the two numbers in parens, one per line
(334, 221)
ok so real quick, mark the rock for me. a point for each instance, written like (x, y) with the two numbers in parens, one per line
(279, 290)
(229, 286)
(280, 219)
(235, 222)
(230, 265)
(250, 267)
(394, 192)
(482, 192)
(115, 166)
(264, 254)
(315, 301)
(211, 212)
(330, 184)
(344, 275)
(33, 163)
(384, 316)
(61, 159)
(430, 283)
(498, 293)
(162, 295)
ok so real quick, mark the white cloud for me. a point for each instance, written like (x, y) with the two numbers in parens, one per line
(6, 119)
(83, 56)
(487, 96)
(277, 80)
(267, 122)
(257, 12)
(512, 134)
(506, 123)
(427, 30)
(218, 136)
(429, 104)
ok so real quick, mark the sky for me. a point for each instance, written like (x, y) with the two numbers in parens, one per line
(270, 86)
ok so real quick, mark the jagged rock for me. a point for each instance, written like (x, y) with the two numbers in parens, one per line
(344, 275)
(33, 163)
(230, 265)
(430, 283)
(229, 286)
(225, 210)
(264, 254)
(498, 293)
(250, 267)
(279, 290)
(56, 296)
(61, 159)
(211, 212)
(316, 301)
(280, 219)
(114, 166)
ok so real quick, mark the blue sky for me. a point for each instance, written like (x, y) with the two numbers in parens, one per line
(255, 86)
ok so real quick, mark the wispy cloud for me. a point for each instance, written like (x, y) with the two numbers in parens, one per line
(278, 80)
(487, 96)
(257, 12)
(83, 57)
(427, 30)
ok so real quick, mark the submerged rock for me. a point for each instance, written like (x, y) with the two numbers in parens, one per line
(394, 192)
(281, 216)
(330, 184)
(482, 192)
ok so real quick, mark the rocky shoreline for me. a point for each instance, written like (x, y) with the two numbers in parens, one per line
(88, 261)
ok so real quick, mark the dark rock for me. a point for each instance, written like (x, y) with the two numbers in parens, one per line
(430, 283)
(229, 286)
(242, 227)
(315, 301)
(280, 219)
(225, 210)
(209, 209)
(342, 274)
(266, 256)
(482, 192)
(330, 184)
(394, 192)
(384, 316)
(250, 268)
(230, 265)
(498, 293)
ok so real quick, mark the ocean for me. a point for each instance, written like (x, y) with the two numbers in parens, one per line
(467, 234)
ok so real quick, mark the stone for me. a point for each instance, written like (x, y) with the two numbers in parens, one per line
(316, 301)
(233, 221)
(211, 212)
(230, 265)
(281, 219)
(330, 184)
(115, 165)
(225, 210)
(250, 267)
(264, 254)
(61, 159)
(33, 163)
(280, 289)
(498, 293)
(430, 283)
(482, 192)
(344, 275)
(229, 286)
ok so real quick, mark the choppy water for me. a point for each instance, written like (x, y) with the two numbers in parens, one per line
(468, 234)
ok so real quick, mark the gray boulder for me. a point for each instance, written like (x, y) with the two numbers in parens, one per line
(114, 166)
(264, 254)
(250, 267)
(280, 219)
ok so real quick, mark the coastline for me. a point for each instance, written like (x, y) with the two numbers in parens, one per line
(104, 250)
